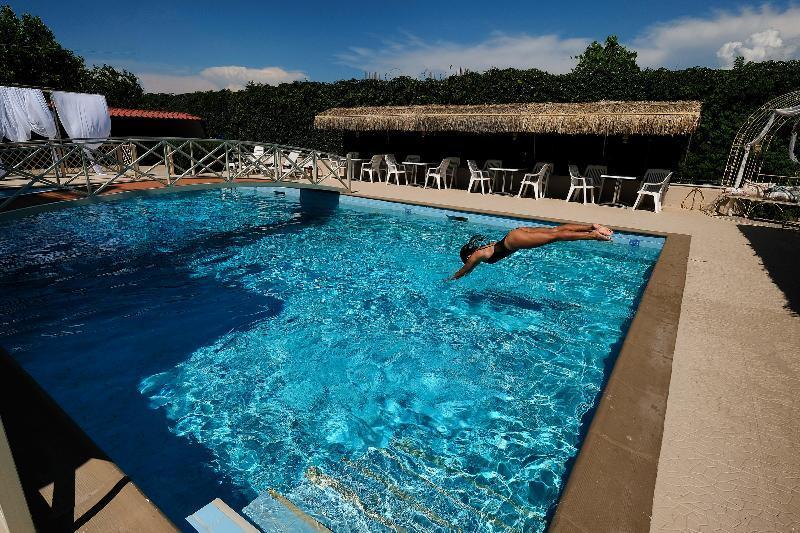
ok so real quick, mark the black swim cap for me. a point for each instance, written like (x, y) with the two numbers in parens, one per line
(475, 242)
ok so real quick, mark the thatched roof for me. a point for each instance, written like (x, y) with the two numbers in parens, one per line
(594, 118)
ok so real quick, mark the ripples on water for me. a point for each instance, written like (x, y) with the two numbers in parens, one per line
(220, 343)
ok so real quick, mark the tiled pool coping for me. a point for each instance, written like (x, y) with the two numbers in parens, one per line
(612, 481)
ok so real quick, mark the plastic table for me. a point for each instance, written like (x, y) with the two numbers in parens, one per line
(356, 162)
(617, 188)
(416, 165)
(503, 172)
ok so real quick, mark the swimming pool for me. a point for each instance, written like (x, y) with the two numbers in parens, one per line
(221, 343)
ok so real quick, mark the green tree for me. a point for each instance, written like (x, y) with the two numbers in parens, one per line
(606, 59)
(121, 88)
(605, 72)
(30, 55)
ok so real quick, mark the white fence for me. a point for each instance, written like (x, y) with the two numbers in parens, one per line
(91, 166)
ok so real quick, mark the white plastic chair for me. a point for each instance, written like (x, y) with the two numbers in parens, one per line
(477, 175)
(255, 162)
(579, 183)
(594, 173)
(372, 169)
(333, 167)
(655, 184)
(492, 163)
(411, 170)
(439, 174)
(392, 169)
(258, 153)
(455, 162)
(290, 165)
(538, 179)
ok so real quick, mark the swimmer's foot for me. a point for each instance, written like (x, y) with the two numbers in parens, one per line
(603, 230)
(600, 236)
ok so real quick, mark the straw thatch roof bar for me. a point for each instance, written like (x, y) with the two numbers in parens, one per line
(586, 118)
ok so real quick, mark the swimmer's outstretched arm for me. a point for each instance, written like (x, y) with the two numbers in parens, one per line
(468, 267)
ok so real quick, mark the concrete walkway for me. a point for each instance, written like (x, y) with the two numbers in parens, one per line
(730, 457)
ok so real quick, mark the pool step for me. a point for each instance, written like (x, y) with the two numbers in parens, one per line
(489, 497)
(442, 509)
(275, 514)
(402, 488)
(359, 492)
(347, 499)
(336, 505)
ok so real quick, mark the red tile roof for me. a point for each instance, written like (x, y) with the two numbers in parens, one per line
(146, 113)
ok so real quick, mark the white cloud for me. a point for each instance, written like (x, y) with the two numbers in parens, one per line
(169, 83)
(234, 77)
(758, 47)
(757, 34)
(416, 56)
(231, 77)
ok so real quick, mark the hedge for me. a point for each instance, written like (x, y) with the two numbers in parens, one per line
(285, 113)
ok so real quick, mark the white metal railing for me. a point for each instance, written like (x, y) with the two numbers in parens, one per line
(745, 159)
(91, 166)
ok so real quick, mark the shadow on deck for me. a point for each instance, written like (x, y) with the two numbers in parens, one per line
(69, 484)
(779, 251)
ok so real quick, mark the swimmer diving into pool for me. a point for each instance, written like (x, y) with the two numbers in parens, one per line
(478, 250)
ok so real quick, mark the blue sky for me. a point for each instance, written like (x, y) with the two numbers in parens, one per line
(182, 46)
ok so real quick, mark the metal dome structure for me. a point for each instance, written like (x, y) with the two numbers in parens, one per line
(754, 137)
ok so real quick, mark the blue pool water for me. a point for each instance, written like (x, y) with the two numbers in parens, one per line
(222, 343)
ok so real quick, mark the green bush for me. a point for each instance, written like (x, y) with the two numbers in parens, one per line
(285, 113)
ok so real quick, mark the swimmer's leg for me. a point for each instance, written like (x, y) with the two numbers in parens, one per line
(593, 235)
(572, 227)
(535, 239)
(555, 229)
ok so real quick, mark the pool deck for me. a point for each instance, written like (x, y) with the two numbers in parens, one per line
(728, 458)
